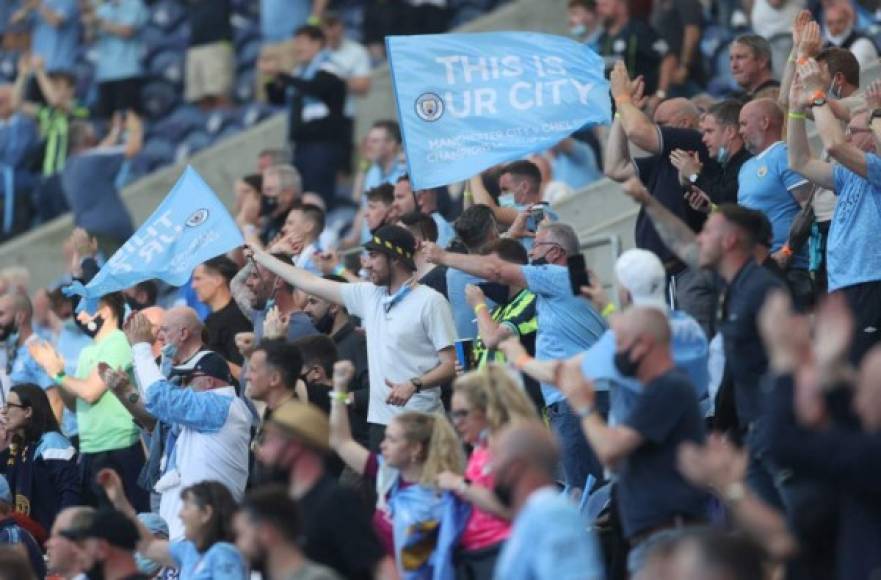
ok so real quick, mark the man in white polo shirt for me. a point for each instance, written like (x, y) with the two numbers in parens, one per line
(410, 330)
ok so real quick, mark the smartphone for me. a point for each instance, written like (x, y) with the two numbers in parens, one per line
(465, 353)
(578, 276)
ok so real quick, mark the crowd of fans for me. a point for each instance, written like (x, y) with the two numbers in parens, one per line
(415, 396)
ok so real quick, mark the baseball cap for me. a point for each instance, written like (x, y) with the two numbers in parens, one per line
(109, 525)
(5, 492)
(641, 273)
(304, 421)
(395, 242)
(205, 362)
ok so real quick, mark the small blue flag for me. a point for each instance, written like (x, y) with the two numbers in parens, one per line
(190, 226)
(469, 101)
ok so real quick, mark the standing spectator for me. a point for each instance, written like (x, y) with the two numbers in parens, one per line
(40, 464)
(353, 62)
(12, 534)
(119, 71)
(840, 30)
(280, 18)
(574, 163)
(211, 281)
(107, 432)
(476, 228)
(484, 402)
(209, 62)
(680, 23)
(378, 211)
(212, 422)
(90, 178)
(416, 449)
(336, 525)
(567, 325)
(18, 135)
(269, 529)
(207, 549)
(315, 95)
(55, 31)
(108, 541)
(319, 355)
(409, 327)
(770, 18)
(854, 270)
(643, 447)
(750, 60)
(548, 538)
(383, 153)
(631, 39)
(423, 201)
(282, 192)
(17, 334)
(424, 229)
(64, 557)
(584, 24)
(674, 128)
(305, 224)
(767, 184)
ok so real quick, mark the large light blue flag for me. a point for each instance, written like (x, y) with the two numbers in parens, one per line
(469, 101)
(190, 226)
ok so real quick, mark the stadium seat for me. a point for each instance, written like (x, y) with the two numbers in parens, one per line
(8, 65)
(168, 14)
(168, 65)
(247, 55)
(244, 87)
(158, 98)
(250, 115)
(722, 82)
(195, 142)
(155, 154)
(182, 121)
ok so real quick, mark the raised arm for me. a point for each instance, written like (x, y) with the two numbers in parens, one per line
(490, 331)
(640, 130)
(489, 267)
(341, 440)
(239, 290)
(89, 389)
(798, 48)
(618, 163)
(674, 232)
(298, 277)
(503, 215)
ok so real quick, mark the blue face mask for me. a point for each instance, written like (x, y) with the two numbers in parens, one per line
(578, 30)
(722, 154)
(506, 199)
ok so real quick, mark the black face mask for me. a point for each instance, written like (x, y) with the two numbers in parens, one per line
(96, 572)
(496, 292)
(134, 304)
(504, 493)
(268, 205)
(92, 327)
(269, 474)
(624, 364)
(325, 324)
(539, 261)
(8, 330)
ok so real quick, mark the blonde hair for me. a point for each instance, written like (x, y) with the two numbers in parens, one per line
(492, 390)
(441, 449)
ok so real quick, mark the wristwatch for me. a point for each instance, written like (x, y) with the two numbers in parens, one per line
(693, 178)
(585, 412)
(134, 397)
(818, 99)
(417, 382)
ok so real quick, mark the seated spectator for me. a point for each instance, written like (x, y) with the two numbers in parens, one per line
(839, 29)
(750, 58)
(40, 464)
(54, 32)
(484, 402)
(208, 544)
(213, 424)
(211, 281)
(416, 449)
(548, 538)
(680, 24)
(210, 70)
(13, 535)
(119, 71)
(643, 448)
(269, 530)
(91, 183)
(315, 95)
(282, 190)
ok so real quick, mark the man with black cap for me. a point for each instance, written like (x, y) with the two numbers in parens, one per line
(337, 532)
(213, 424)
(109, 541)
(410, 330)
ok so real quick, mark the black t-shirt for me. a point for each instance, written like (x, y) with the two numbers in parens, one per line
(722, 186)
(352, 346)
(670, 19)
(651, 490)
(209, 21)
(222, 327)
(662, 180)
(337, 530)
(436, 279)
(639, 46)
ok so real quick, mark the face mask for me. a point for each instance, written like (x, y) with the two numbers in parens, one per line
(92, 327)
(539, 261)
(578, 30)
(833, 91)
(268, 205)
(504, 494)
(496, 292)
(722, 154)
(270, 474)
(624, 364)
(134, 305)
(146, 566)
(96, 572)
(7, 331)
(325, 324)
(506, 199)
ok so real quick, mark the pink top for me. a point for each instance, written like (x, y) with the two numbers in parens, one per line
(483, 529)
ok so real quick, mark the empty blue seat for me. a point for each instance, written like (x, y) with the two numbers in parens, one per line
(155, 154)
(179, 123)
(251, 114)
(159, 98)
(8, 65)
(195, 142)
(244, 85)
(167, 64)
(167, 14)
(247, 54)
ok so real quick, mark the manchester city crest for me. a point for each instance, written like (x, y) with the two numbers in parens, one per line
(429, 107)
(197, 219)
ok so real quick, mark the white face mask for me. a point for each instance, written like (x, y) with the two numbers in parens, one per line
(506, 199)
(578, 30)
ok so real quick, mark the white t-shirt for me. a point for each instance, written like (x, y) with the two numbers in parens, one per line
(402, 342)
(352, 60)
(768, 21)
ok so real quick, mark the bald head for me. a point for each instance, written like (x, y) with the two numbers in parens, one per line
(154, 314)
(679, 112)
(530, 442)
(181, 328)
(761, 124)
(184, 317)
(641, 321)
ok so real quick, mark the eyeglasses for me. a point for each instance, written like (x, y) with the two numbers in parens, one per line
(547, 244)
(459, 414)
(16, 405)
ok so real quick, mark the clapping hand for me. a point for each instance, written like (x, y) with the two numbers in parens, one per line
(786, 336)
(873, 95)
(715, 465)
(811, 41)
(343, 373)
(116, 380)
(801, 20)
(246, 343)
(46, 356)
(688, 163)
(621, 85)
(578, 389)
(474, 295)
(812, 77)
(139, 329)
